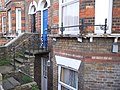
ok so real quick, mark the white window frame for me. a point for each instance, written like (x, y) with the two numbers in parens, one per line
(101, 13)
(18, 20)
(61, 5)
(60, 83)
(31, 10)
(3, 24)
(9, 22)
(45, 71)
(69, 63)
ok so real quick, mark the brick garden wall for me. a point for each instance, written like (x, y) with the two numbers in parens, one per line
(30, 40)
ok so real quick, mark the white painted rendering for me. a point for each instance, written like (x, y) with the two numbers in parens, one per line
(103, 10)
(31, 11)
(18, 20)
(68, 62)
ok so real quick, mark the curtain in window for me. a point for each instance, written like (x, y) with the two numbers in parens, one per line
(68, 77)
(71, 16)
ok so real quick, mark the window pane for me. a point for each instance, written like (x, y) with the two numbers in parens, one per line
(67, 1)
(63, 88)
(69, 77)
(45, 68)
(71, 16)
(3, 24)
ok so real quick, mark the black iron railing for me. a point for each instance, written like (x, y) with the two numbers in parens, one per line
(82, 27)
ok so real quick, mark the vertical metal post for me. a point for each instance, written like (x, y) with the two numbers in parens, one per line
(14, 58)
(62, 29)
(81, 27)
(105, 28)
(82, 22)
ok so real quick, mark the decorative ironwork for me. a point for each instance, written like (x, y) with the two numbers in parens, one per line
(81, 27)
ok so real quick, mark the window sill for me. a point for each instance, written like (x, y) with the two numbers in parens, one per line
(83, 35)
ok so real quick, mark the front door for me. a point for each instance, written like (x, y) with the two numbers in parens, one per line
(33, 26)
(44, 73)
(45, 26)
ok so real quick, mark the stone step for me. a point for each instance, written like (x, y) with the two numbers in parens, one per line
(40, 50)
(21, 60)
(23, 56)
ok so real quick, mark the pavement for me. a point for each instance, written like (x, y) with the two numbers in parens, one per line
(6, 69)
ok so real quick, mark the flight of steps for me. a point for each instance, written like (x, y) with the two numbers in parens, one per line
(25, 63)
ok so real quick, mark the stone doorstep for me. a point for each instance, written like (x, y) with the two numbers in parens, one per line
(10, 83)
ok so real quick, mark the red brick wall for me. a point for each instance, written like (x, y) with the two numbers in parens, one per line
(87, 11)
(12, 6)
(116, 16)
(54, 15)
(38, 22)
(2, 13)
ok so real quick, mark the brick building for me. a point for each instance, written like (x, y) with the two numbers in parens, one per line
(2, 17)
(85, 58)
(85, 42)
(15, 16)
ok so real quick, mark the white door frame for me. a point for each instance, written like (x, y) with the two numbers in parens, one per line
(44, 78)
(41, 8)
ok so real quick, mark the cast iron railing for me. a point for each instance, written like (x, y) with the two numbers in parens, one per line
(81, 27)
